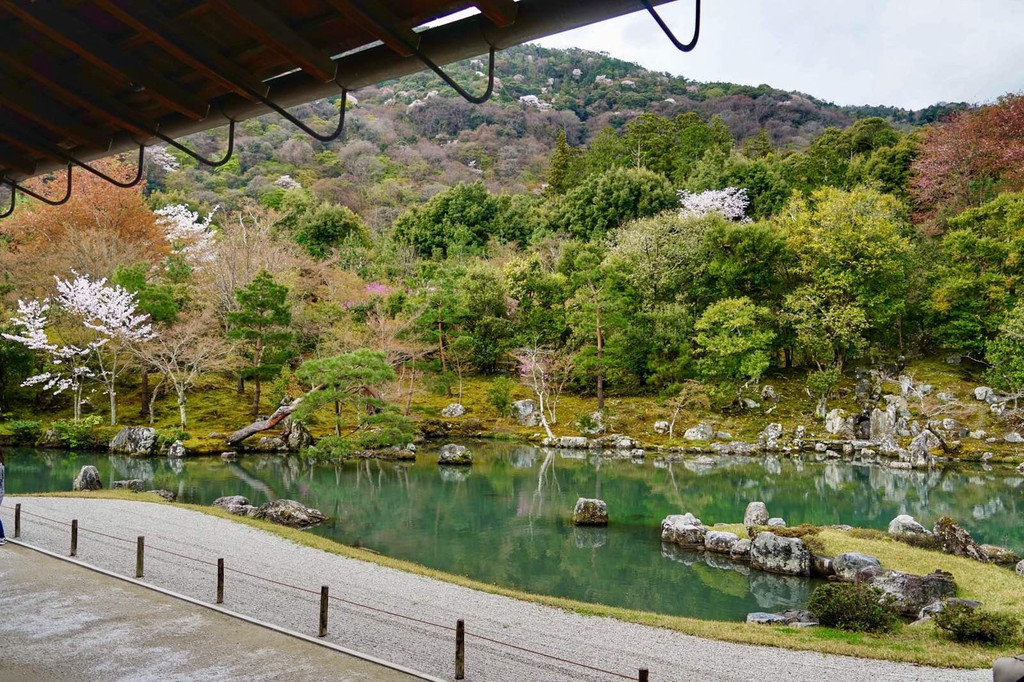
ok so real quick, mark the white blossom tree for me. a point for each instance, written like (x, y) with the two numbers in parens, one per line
(545, 372)
(730, 202)
(190, 236)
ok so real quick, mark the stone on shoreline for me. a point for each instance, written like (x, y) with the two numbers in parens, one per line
(685, 530)
(525, 413)
(134, 441)
(756, 514)
(702, 431)
(590, 512)
(847, 566)
(455, 455)
(235, 504)
(914, 592)
(176, 451)
(134, 484)
(720, 541)
(775, 554)
(741, 550)
(289, 513)
(905, 524)
(777, 522)
(88, 479)
(956, 540)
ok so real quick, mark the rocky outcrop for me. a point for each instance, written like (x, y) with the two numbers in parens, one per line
(293, 438)
(685, 530)
(847, 566)
(525, 413)
(956, 540)
(453, 410)
(455, 455)
(134, 441)
(701, 432)
(769, 437)
(590, 512)
(176, 450)
(88, 479)
(904, 524)
(289, 513)
(922, 446)
(775, 554)
(720, 541)
(741, 550)
(756, 514)
(838, 424)
(134, 484)
(914, 592)
(568, 442)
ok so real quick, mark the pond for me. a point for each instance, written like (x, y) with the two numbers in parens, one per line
(505, 519)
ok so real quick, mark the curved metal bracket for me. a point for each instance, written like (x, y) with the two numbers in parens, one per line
(671, 36)
(112, 181)
(202, 159)
(40, 197)
(13, 197)
(306, 129)
(475, 99)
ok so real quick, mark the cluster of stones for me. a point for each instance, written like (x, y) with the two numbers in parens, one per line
(88, 479)
(142, 441)
(952, 539)
(455, 455)
(282, 512)
(612, 445)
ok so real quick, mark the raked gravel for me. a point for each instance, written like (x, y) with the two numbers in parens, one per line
(601, 642)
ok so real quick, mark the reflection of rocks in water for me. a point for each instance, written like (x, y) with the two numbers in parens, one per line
(132, 467)
(453, 474)
(723, 562)
(569, 454)
(523, 458)
(836, 475)
(672, 551)
(700, 466)
(177, 465)
(772, 465)
(989, 509)
(590, 537)
(775, 592)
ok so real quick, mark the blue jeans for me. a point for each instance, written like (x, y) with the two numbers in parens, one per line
(2, 529)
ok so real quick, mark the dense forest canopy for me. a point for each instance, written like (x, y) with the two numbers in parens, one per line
(627, 232)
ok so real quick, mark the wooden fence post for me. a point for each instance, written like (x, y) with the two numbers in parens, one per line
(74, 537)
(140, 555)
(460, 650)
(644, 675)
(17, 520)
(323, 610)
(220, 581)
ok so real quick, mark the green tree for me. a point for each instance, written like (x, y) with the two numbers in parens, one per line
(328, 227)
(733, 343)
(261, 324)
(566, 163)
(458, 220)
(603, 202)
(1005, 354)
(350, 380)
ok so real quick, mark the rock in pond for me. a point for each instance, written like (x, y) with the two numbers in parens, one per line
(590, 512)
(134, 484)
(775, 554)
(914, 592)
(88, 479)
(741, 550)
(289, 513)
(685, 530)
(905, 524)
(134, 441)
(453, 410)
(176, 451)
(956, 540)
(720, 541)
(525, 413)
(796, 617)
(756, 514)
(848, 565)
(166, 494)
(457, 455)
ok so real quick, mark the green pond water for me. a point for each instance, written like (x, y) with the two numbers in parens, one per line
(505, 519)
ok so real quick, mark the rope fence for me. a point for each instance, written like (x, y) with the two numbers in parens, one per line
(323, 594)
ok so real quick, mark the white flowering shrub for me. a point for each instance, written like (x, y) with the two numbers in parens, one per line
(189, 235)
(730, 202)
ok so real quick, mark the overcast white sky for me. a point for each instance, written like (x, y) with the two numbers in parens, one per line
(908, 53)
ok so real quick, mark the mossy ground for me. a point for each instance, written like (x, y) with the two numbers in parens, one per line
(998, 588)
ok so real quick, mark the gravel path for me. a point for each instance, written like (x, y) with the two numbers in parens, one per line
(64, 622)
(601, 642)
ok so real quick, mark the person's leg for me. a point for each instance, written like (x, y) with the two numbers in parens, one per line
(2, 537)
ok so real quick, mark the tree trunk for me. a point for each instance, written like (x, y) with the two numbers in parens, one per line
(181, 410)
(256, 396)
(271, 421)
(143, 391)
(600, 366)
(113, 405)
(440, 340)
(241, 385)
(337, 418)
(543, 417)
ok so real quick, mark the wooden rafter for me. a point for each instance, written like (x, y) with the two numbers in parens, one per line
(48, 113)
(14, 161)
(379, 22)
(501, 12)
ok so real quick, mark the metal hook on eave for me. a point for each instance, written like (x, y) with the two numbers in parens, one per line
(668, 32)
(40, 197)
(306, 129)
(202, 159)
(474, 99)
(112, 181)
(14, 193)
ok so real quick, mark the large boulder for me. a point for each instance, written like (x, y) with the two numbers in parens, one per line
(176, 450)
(983, 393)
(457, 455)
(905, 524)
(235, 504)
(453, 410)
(571, 442)
(88, 479)
(134, 484)
(769, 438)
(134, 441)
(590, 512)
(685, 530)
(741, 550)
(289, 513)
(1020, 569)
(702, 431)
(837, 423)
(883, 423)
(956, 540)
(661, 428)
(296, 436)
(847, 566)
(913, 592)
(922, 445)
(756, 514)
(775, 554)
(720, 541)
(525, 413)
(1000, 555)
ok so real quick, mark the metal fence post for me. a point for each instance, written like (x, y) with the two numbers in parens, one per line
(643, 677)
(140, 552)
(460, 649)
(74, 537)
(220, 581)
(323, 610)
(17, 520)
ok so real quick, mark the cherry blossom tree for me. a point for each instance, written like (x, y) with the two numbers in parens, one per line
(545, 372)
(190, 236)
(731, 202)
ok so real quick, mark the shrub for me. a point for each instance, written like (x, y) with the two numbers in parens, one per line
(24, 432)
(854, 607)
(499, 395)
(972, 625)
(76, 434)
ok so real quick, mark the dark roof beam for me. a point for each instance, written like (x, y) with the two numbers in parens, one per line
(381, 23)
(12, 160)
(48, 113)
(502, 13)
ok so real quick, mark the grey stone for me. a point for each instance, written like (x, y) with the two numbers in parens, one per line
(770, 436)
(133, 484)
(289, 513)
(956, 540)
(756, 514)
(768, 393)
(933, 608)
(762, 618)
(573, 442)
(1000, 555)
(685, 530)
(774, 554)
(914, 592)
(166, 494)
(229, 456)
(983, 393)
(776, 522)
(236, 504)
(134, 441)
(525, 413)
(720, 541)
(1013, 437)
(176, 450)
(904, 524)
(741, 550)
(595, 424)
(848, 565)
(1020, 569)
(296, 436)
(953, 359)
(456, 455)
(837, 424)
(703, 431)
(453, 410)
(590, 512)
(661, 427)
(88, 479)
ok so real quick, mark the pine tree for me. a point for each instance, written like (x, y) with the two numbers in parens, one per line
(565, 162)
